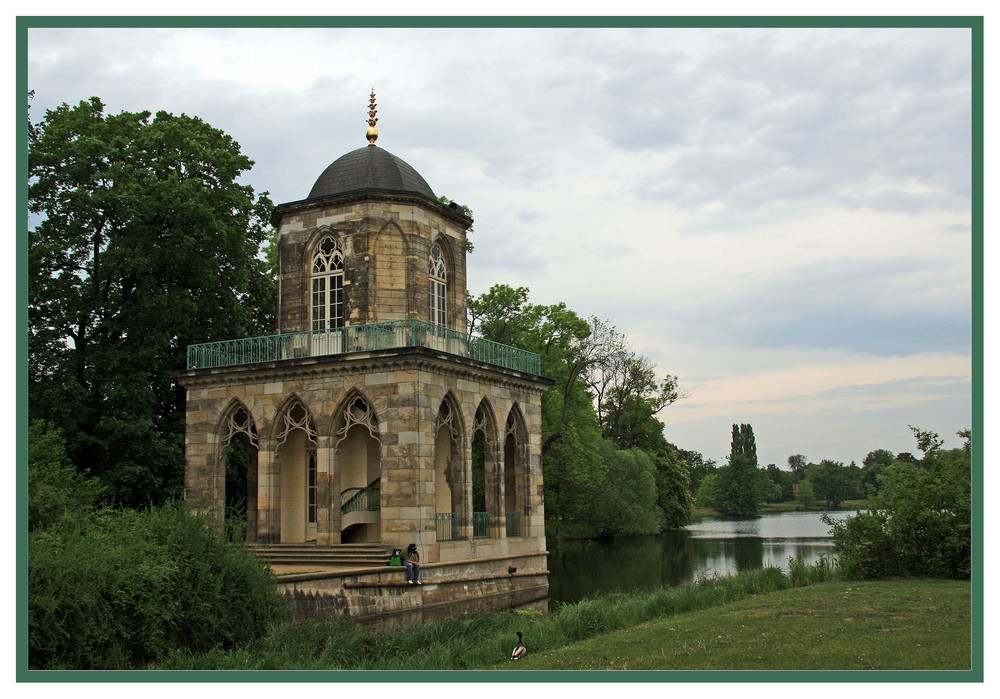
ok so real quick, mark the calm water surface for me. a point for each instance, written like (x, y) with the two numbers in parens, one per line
(711, 546)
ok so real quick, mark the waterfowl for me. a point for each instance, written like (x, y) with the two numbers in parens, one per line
(519, 649)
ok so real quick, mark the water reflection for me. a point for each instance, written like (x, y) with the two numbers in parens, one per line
(712, 546)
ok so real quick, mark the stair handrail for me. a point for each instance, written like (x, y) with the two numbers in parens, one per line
(361, 499)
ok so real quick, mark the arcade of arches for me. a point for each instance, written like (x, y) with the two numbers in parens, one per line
(372, 452)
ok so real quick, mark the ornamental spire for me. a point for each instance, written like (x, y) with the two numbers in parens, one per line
(372, 133)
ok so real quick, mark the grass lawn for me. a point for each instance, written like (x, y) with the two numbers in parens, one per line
(883, 625)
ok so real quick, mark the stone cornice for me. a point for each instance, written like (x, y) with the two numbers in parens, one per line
(455, 215)
(397, 359)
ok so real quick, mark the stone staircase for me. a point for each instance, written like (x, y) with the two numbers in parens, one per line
(339, 555)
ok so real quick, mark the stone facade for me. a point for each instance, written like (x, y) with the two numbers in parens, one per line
(386, 242)
(405, 389)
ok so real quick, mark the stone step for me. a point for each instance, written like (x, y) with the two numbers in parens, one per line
(308, 553)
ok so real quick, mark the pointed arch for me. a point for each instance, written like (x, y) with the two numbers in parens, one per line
(485, 421)
(515, 471)
(445, 294)
(392, 272)
(486, 482)
(357, 459)
(437, 285)
(236, 419)
(295, 467)
(326, 274)
(355, 409)
(291, 415)
(238, 447)
(449, 469)
(390, 235)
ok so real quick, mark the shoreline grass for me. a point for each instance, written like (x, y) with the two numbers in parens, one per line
(480, 641)
(766, 619)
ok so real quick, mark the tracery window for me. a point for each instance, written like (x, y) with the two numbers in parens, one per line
(328, 285)
(438, 284)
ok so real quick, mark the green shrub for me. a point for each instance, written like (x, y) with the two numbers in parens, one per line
(919, 522)
(55, 487)
(120, 589)
(864, 547)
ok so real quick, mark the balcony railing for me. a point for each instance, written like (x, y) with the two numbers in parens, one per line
(513, 524)
(360, 338)
(446, 526)
(482, 523)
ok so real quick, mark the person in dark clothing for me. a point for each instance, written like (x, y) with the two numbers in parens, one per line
(411, 558)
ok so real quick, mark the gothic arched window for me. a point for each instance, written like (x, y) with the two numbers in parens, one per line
(328, 285)
(438, 284)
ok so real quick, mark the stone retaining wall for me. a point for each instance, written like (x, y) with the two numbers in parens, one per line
(382, 596)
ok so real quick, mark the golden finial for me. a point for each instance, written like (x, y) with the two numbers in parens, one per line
(372, 133)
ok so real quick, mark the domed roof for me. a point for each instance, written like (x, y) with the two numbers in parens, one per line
(369, 167)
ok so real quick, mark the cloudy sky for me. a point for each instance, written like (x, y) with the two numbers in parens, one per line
(780, 217)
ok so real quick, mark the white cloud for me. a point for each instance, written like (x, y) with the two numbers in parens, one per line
(780, 217)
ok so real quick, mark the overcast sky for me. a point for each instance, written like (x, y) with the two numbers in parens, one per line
(780, 217)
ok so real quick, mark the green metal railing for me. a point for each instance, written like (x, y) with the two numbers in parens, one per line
(360, 338)
(446, 526)
(513, 523)
(360, 500)
(481, 523)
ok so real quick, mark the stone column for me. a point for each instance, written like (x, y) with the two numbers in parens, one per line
(327, 494)
(268, 497)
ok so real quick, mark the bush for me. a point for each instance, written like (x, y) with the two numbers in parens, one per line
(864, 547)
(55, 488)
(118, 590)
(919, 522)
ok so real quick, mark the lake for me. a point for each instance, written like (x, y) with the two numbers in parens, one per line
(705, 548)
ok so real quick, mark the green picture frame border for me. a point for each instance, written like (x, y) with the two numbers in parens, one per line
(26, 23)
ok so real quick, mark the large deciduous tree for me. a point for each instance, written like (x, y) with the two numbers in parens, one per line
(578, 444)
(141, 241)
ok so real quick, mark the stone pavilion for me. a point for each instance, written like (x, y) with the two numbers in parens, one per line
(372, 416)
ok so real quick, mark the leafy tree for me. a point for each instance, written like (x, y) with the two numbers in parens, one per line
(710, 491)
(575, 472)
(566, 343)
(628, 395)
(698, 467)
(142, 242)
(806, 495)
(919, 522)
(627, 506)
(784, 485)
(577, 447)
(873, 465)
(740, 486)
(797, 462)
(831, 481)
(673, 487)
